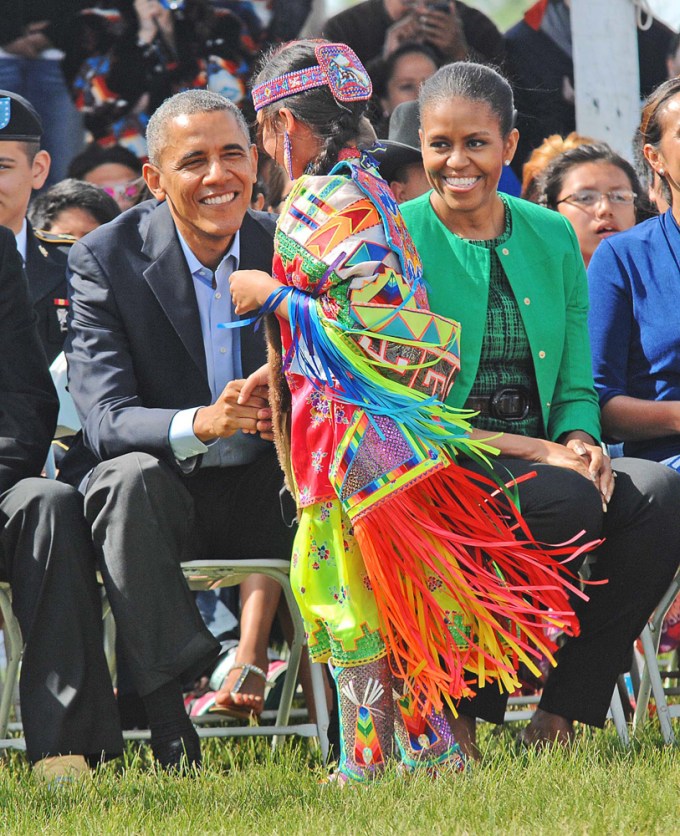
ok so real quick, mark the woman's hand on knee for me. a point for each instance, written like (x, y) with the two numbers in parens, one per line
(599, 466)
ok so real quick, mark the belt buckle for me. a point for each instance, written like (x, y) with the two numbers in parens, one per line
(510, 403)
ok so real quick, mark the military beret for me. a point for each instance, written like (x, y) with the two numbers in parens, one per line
(19, 120)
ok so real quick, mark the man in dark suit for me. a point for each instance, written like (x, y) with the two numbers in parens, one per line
(180, 468)
(46, 555)
(24, 166)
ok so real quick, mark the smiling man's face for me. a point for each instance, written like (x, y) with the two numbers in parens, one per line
(205, 172)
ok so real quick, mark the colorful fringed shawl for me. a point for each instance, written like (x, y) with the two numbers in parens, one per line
(368, 366)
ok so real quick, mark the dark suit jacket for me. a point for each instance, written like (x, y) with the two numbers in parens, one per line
(134, 348)
(28, 402)
(46, 262)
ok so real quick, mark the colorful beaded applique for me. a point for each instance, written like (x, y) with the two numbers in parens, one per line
(339, 68)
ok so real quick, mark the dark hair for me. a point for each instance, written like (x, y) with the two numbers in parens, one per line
(95, 155)
(650, 123)
(650, 129)
(334, 123)
(551, 181)
(70, 194)
(673, 46)
(381, 69)
(645, 172)
(475, 82)
(31, 147)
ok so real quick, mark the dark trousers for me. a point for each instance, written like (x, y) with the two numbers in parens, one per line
(46, 555)
(638, 559)
(146, 519)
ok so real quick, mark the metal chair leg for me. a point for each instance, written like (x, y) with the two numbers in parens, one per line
(13, 650)
(619, 717)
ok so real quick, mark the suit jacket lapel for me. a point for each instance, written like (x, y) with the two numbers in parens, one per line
(169, 278)
(256, 254)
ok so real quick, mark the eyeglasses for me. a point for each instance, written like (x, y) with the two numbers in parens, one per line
(590, 197)
(118, 190)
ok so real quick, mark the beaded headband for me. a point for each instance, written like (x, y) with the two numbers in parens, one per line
(339, 68)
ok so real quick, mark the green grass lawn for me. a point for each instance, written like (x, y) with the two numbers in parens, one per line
(595, 787)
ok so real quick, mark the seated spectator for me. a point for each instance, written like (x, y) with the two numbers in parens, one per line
(399, 159)
(551, 147)
(512, 274)
(634, 321)
(397, 78)
(67, 706)
(24, 166)
(116, 170)
(542, 72)
(634, 318)
(174, 467)
(72, 207)
(453, 28)
(596, 189)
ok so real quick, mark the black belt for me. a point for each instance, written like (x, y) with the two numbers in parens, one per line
(507, 403)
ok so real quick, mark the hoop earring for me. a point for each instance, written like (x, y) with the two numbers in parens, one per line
(288, 154)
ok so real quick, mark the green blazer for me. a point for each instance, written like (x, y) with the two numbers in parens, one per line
(545, 269)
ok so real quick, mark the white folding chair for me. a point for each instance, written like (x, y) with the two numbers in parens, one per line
(203, 576)
(650, 679)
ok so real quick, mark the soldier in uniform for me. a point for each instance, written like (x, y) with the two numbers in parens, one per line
(24, 166)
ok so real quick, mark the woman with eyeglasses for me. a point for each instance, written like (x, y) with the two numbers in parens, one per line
(513, 274)
(596, 189)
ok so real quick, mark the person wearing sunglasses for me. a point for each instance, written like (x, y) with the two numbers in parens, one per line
(116, 170)
(596, 189)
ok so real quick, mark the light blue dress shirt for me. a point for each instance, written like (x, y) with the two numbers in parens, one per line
(222, 348)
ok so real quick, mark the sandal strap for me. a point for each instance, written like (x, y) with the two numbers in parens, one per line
(246, 668)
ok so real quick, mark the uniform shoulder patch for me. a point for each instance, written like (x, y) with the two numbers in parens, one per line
(54, 237)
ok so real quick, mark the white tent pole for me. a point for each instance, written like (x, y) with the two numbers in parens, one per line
(606, 73)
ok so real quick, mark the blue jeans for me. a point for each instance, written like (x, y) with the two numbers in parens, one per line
(42, 82)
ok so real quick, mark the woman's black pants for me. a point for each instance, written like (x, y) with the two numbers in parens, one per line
(638, 559)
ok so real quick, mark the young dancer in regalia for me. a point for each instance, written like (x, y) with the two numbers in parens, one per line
(412, 581)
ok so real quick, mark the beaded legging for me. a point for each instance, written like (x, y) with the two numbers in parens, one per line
(379, 722)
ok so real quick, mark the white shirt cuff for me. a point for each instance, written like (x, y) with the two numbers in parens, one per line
(183, 442)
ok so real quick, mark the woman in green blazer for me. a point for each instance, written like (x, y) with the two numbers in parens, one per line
(512, 274)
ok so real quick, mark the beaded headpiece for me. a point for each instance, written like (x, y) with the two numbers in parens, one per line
(339, 68)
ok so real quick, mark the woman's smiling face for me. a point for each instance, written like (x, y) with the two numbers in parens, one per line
(463, 154)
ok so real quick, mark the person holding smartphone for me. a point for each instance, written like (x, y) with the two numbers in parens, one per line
(455, 30)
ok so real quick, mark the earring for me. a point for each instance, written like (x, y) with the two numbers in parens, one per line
(506, 162)
(662, 172)
(288, 154)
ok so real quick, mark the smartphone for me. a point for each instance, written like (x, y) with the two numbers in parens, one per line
(173, 5)
(439, 5)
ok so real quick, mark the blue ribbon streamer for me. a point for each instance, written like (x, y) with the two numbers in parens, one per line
(271, 303)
